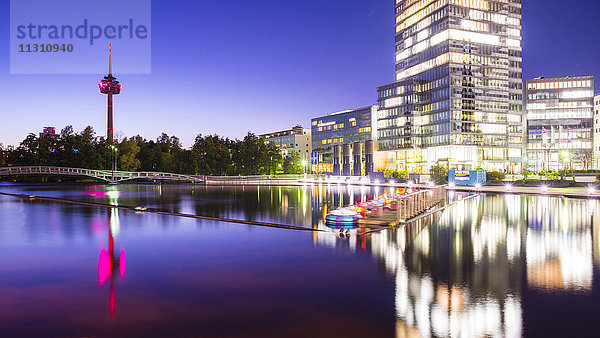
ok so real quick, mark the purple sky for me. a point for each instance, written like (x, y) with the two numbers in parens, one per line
(229, 67)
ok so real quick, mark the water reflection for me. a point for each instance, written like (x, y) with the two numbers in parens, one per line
(462, 273)
(109, 263)
(473, 270)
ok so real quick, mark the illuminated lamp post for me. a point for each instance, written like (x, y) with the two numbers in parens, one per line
(113, 152)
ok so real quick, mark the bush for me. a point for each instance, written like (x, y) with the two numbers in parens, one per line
(495, 176)
(439, 174)
(401, 175)
(552, 175)
(598, 177)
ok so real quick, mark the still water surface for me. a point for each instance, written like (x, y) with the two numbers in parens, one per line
(487, 266)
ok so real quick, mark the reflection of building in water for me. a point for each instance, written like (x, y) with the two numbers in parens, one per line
(559, 243)
(460, 277)
(595, 210)
(110, 264)
(463, 275)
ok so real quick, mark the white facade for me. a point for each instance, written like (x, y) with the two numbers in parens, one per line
(297, 140)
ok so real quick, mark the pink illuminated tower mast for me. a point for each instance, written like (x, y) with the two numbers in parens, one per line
(110, 86)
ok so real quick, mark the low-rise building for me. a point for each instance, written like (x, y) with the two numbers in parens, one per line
(296, 140)
(337, 135)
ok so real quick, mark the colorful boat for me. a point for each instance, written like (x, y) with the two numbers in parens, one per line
(342, 217)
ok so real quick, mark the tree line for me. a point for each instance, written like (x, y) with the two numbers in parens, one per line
(210, 155)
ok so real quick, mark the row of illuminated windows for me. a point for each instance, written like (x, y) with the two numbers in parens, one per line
(560, 105)
(456, 34)
(480, 82)
(480, 140)
(575, 143)
(425, 55)
(483, 71)
(417, 12)
(394, 112)
(406, 51)
(401, 24)
(478, 105)
(364, 130)
(333, 140)
(423, 34)
(559, 115)
(476, 26)
(423, 24)
(424, 8)
(562, 84)
(465, 24)
(427, 65)
(459, 58)
(565, 94)
(478, 93)
(479, 117)
(413, 8)
(477, 15)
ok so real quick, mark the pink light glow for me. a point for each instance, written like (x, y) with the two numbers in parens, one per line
(122, 263)
(104, 267)
(112, 301)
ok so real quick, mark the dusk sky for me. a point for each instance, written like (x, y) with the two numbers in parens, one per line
(229, 67)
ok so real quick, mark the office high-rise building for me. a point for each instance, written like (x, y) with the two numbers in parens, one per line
(560, 123)
(458, 95)
(597, 131)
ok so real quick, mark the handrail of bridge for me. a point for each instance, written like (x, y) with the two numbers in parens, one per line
(106, 175)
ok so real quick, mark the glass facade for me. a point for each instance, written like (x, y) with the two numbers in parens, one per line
(458, 96)
(596, 131)
(346, 127)
(560, 123)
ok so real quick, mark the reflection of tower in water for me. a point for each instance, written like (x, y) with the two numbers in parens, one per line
(109, 264)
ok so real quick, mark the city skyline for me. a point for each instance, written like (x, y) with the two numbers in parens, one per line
(307, 72)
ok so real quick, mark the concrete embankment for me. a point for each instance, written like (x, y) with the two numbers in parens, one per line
(237, 181)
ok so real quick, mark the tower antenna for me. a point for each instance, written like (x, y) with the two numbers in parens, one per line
(110, 58)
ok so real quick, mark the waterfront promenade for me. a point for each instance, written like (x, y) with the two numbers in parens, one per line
(572, 192)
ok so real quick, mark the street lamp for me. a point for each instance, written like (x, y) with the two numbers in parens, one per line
(113, 153)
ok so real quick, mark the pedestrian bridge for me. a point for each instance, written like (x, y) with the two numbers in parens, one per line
(104, 175)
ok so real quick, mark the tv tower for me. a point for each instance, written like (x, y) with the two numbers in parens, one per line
(110, 86)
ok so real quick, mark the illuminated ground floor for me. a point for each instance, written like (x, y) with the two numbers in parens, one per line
(560, 159)
(420, 160)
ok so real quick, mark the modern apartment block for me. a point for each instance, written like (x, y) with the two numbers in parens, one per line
(296, 140)
(458, 95)
(560, 123)
(597, 131)
(337, 135)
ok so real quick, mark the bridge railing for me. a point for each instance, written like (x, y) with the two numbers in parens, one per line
(106, 175)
